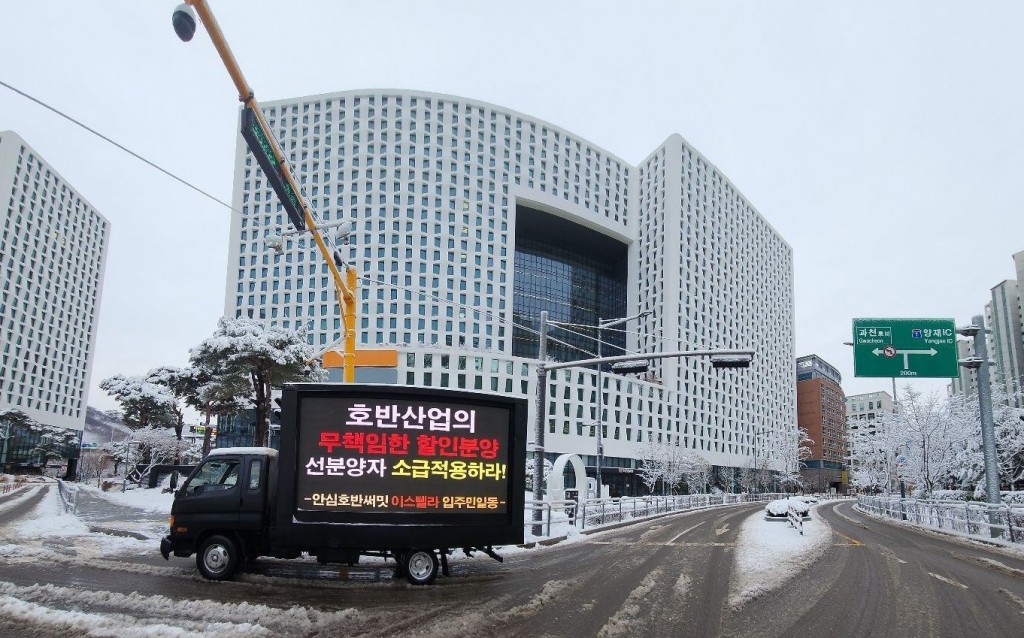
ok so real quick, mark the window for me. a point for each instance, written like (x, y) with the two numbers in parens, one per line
(222, 473)
(255, 472)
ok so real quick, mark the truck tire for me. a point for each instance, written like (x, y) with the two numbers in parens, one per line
(420, 566)
(218, 558)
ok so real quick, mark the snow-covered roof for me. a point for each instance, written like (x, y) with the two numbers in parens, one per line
(222, 451)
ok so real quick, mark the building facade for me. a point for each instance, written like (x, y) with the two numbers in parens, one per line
(470, 218)
(53, 247)
(1006, 339)
(821, 410)
(1004, 318)
(865, 416)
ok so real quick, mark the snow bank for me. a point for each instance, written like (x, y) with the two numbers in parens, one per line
(151, 500)
(770, 552)
(49, 519)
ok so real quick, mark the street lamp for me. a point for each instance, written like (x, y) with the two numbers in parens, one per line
(267, 152)
(757, 472)
(601, 325)
(734, 358)
(980, 363)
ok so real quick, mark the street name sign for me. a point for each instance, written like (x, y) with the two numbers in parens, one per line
(905, 348)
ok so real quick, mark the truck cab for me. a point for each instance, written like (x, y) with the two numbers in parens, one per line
(221, 511)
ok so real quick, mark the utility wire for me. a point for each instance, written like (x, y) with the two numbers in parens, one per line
(120, 146)
(365, 277)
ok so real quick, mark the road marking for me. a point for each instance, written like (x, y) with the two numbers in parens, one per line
(685, 531)
(853, 541)
(620, 623)
(1014, 599)
(988, 562)
(835, 509)
(722, 530)
(948, 581)
(640, 544)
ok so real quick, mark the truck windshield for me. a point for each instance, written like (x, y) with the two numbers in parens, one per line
(215, 472)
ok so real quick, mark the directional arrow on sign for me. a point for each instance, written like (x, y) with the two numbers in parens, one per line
(931, 352)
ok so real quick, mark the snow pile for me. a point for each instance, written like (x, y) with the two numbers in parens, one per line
(151, 500)
(768, 553)
(781, 507)
(47, 607)
(49, 519)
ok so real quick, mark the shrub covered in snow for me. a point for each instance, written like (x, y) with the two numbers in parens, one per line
(1013, 498)
(780, 508)
(951, 495)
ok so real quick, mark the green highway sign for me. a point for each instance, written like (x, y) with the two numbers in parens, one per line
(905, 348)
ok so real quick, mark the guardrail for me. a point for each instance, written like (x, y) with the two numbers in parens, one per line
(68, 497)
(980, 520)
(596, 512)
(9, 486)
(795, 518)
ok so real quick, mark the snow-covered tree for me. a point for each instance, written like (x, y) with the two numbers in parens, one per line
(143, 403)
(792, 458)
(266, 356)
(176, 382)
(149, 447)
(651, 468)
(697, 471)
(662, 461)
(547, 467)
(51, 442)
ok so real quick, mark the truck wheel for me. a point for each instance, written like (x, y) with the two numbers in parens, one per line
(217, 558)
(420, 566)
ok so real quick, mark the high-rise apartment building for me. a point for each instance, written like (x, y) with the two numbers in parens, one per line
(821, 410)
(1004, 318)
(470, 218)
(1006, 339)
(53, 247)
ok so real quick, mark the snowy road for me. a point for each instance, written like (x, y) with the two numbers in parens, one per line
(883, 579)
(673, 576)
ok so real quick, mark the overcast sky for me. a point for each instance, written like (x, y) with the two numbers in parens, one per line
(883, 140)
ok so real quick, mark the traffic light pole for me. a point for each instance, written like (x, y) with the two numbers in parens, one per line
(345, 288)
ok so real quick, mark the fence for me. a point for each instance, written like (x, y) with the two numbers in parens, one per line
(595, 512)
(980, 520)
(68, 496)
(9, 486)
(795, 518)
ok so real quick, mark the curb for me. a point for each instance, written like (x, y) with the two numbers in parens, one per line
(111, 531)
(554, 540)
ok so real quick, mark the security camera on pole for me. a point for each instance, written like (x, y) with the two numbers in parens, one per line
(265, 148)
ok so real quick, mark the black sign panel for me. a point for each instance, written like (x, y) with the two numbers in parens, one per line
(259, 145)
(394, 455)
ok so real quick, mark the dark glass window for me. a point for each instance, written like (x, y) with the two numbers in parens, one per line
(578, 275)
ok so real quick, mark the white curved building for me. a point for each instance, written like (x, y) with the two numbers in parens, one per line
(471, 218)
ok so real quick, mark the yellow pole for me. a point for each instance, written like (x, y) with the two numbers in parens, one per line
(346, 293)
(350, 327)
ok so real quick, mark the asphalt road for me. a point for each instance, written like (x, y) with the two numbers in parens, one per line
(666, 577)
(884, 579)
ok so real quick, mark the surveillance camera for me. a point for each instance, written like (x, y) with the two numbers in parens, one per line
(184, 21)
